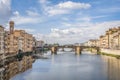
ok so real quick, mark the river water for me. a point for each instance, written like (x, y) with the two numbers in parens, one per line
(68, 66)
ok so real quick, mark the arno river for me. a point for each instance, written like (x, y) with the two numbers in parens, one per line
(68, 66)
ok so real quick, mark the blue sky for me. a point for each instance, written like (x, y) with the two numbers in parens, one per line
(61, 21)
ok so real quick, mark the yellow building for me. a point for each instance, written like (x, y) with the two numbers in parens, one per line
(116, 39)
(112, 32)
(23, 41)
(19, 36)
(104, 41)
(28, 42)
(9, 41)
(1, 42)
(111, 39)
(17, 40)
(93, 42)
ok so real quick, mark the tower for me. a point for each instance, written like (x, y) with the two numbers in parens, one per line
(11, 23)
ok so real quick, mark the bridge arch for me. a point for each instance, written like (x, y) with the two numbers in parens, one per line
(77, 49)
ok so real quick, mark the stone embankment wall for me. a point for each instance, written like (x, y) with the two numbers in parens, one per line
(111, 51)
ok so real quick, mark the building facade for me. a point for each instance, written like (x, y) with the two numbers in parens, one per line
(92, 42)
(1, 43)
(116, 39)
(10, 49)
(111, 39)
(23, 41)
(17, 40)
(103, 41)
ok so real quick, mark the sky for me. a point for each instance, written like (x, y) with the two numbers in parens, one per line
(61, 21)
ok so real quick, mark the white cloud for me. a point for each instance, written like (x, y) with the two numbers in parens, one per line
(5, 10)
(80, 33)
(101, 16)
(5, 5)
(32, 13)
(65, 19)
(65, 7)
(25, 20)
(73, 5)
(110, 10)
(30, 18)
(57, 12)
(42, 1)
(39, 36)
(85, 19)
(16, 13)
(29, 30)
(26, 29)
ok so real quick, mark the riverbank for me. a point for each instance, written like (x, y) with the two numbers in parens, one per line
(39, 56)
(110, 52)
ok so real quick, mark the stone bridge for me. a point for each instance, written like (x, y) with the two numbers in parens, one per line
(77, 49)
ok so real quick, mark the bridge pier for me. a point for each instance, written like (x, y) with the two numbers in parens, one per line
(54, 50)
(98, 50)
(77, 50)
(62, 48)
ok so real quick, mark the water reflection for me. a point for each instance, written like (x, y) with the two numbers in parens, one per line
(15, 67)
(113, 66)
(64, 66)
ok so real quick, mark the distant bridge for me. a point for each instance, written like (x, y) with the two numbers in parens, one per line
(77, 49)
